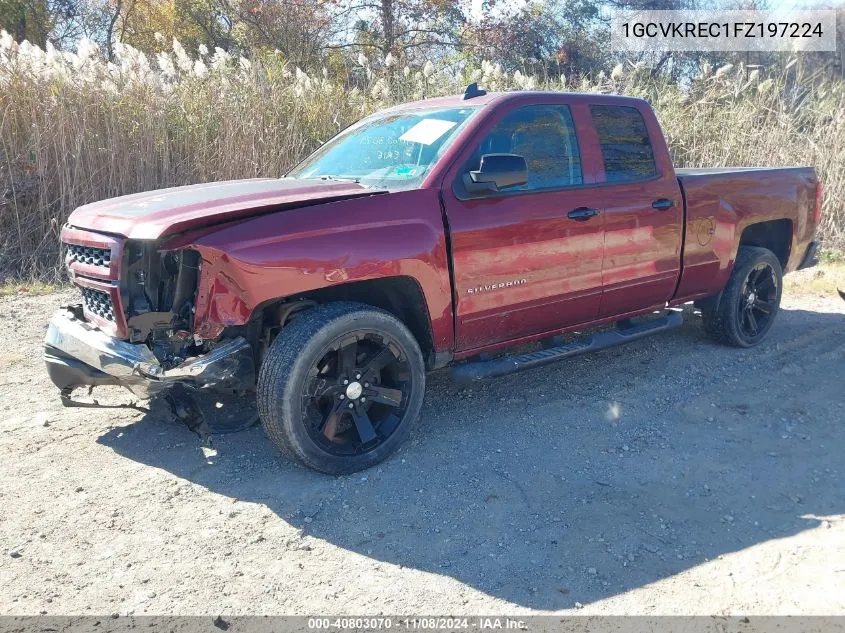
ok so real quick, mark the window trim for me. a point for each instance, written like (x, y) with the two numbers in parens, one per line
(457, 183)
(658, 172)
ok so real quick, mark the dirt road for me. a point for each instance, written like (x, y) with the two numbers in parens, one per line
(671, 476)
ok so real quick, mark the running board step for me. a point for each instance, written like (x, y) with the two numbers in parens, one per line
(480, 370)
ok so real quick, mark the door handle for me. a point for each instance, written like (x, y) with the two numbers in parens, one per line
(582, 213)
(662, 204)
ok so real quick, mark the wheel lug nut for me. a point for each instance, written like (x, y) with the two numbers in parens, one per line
(366, 384)
(345, 382)
(351, 405)
(363, 399)
(357, 376)
(342, 396)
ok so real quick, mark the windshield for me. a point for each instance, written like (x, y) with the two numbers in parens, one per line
(391, 150)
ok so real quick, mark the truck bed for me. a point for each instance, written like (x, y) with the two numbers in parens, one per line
(722, 202)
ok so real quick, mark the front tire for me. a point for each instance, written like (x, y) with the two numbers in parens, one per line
(750, 301)
(340, 387)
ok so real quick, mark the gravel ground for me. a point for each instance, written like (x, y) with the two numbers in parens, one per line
(671, 476)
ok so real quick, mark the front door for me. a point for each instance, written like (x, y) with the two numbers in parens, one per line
(527, 260)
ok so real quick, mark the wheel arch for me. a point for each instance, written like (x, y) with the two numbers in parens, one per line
(401, 295)
(774, 235)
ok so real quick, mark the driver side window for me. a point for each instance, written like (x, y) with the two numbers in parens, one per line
(545, 136)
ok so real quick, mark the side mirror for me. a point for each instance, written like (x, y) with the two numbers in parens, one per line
(497, 172)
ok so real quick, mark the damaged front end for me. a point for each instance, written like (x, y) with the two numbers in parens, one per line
(78, 354)
(134, 327)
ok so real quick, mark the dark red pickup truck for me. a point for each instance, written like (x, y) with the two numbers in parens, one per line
(430, 234)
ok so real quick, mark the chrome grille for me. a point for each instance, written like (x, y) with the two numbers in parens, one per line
(98, 303)
(90, 255)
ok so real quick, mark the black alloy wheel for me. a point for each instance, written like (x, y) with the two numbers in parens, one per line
(744, 312)
(759, 300)
(340, 386)
(356, 393)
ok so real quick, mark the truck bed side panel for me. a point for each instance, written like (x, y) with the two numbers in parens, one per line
(721, 203)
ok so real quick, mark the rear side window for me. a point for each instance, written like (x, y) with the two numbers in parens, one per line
(545, 136)
(625, 146)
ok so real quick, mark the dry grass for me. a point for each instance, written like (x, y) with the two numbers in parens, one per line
(821, 281)
(31, 288)
(74, 129)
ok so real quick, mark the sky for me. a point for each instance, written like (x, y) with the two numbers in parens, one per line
(774, 4)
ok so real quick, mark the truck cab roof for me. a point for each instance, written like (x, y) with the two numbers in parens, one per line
(491, 99)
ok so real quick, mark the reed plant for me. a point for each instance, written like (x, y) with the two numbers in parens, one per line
(75, 128)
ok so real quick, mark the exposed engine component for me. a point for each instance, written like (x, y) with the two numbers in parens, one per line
(159, 296)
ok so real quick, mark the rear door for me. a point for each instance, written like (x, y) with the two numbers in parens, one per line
(521, 265)
(642, 208)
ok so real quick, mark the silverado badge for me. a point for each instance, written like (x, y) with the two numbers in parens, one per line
(496, 286)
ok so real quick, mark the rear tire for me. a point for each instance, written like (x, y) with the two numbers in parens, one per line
(750, 300)
(340, 387)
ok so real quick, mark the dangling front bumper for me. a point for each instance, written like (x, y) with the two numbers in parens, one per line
(78, 354)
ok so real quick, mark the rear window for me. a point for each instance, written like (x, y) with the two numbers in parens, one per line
(625, 146)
